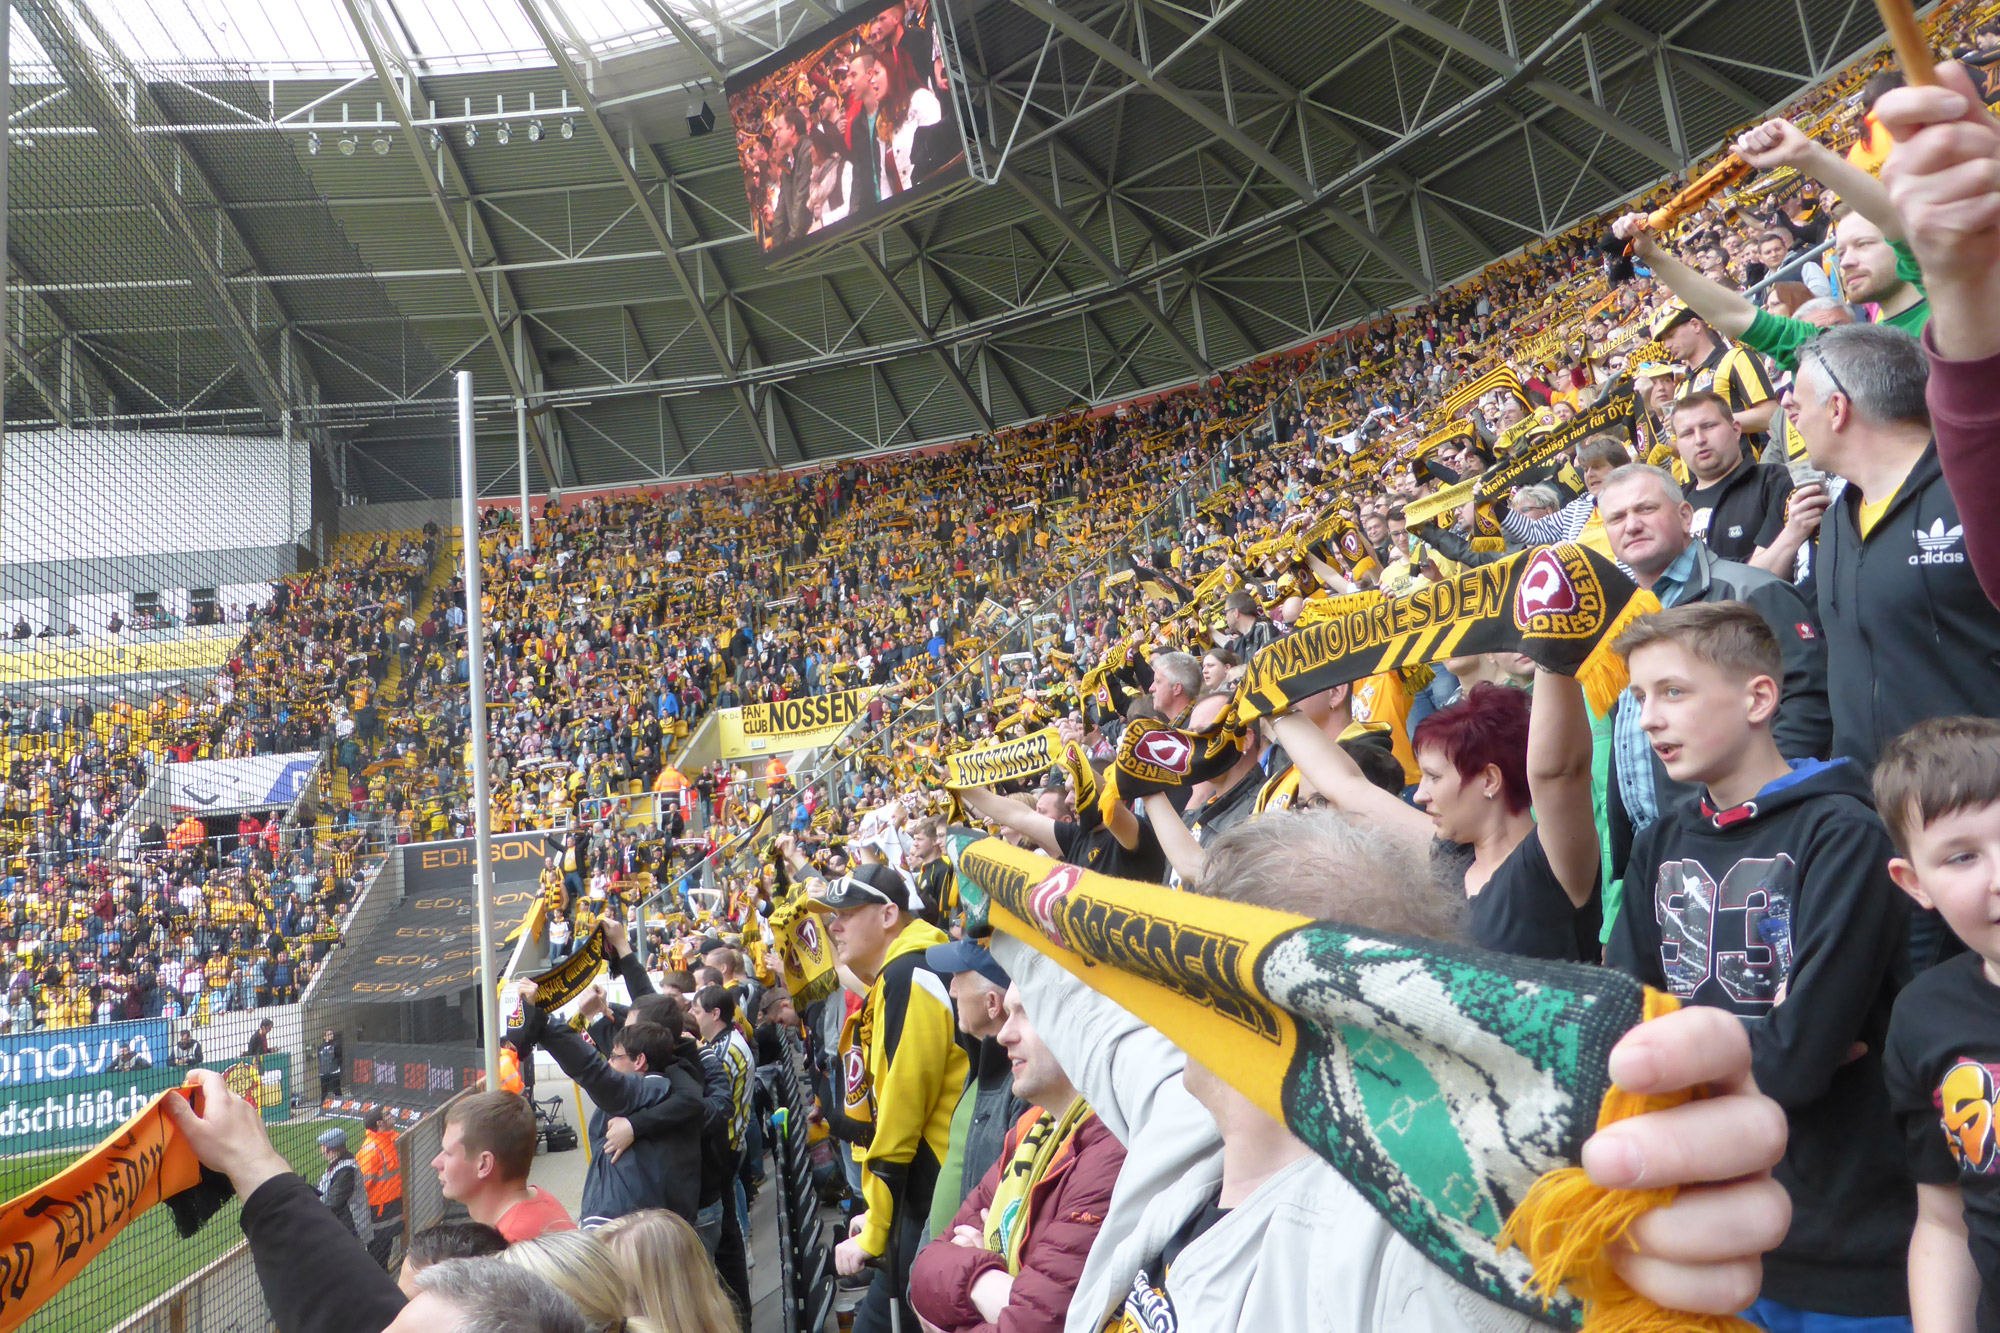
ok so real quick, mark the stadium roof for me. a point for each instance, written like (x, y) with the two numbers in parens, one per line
(224, 211)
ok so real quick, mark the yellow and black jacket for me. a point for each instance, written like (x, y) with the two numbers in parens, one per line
(915, 1073)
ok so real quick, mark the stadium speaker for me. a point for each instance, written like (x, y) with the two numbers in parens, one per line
(700, 118)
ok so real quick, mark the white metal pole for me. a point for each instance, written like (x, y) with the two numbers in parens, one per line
(521, 433)
(475, 668)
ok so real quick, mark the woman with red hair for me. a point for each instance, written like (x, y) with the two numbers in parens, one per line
(1491, 764)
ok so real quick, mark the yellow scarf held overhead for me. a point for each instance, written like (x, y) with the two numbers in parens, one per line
(1452, 1087)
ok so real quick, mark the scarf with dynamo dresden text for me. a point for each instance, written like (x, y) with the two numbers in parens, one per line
(1561, 606)
(1448, 1084)
(1533, 461)
(1155, 757)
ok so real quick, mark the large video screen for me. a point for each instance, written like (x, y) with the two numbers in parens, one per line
(845, 125)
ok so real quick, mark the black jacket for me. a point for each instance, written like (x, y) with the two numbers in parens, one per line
(1745, 510)
(1782, 911)
(1909, 633)
(317, 1278)
(662, 1168)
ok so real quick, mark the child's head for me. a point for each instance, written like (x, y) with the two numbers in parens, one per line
(1938, 789)
(1706, 677)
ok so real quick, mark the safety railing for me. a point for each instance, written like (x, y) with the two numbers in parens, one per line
(1209, 473)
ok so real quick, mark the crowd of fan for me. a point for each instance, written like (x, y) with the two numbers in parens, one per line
(1790, 820)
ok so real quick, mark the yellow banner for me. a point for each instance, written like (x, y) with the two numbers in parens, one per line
(76, 660)
(790, 725)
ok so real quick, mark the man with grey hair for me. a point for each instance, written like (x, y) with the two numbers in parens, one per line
(1650, 526)
(1909, 633)
(486, 1296)
(1176, 682)
(1223, 1220)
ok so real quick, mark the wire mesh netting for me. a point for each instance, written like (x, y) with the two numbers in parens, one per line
(193, 663)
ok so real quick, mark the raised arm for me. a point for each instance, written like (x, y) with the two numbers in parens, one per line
(1183, 852)
(1030, 824)
(1559, 782)
(1779, 143)
(1729, 313)
(1337, 777)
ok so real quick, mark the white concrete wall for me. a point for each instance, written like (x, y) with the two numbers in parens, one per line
(228, 1034)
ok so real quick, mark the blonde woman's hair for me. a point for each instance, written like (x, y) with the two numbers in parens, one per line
(667, 1273)
(580, 1265)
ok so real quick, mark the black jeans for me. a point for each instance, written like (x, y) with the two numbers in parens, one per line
(892, 1282)
(329, 1086)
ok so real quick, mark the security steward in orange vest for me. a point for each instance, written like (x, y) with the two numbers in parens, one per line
(382, 1177)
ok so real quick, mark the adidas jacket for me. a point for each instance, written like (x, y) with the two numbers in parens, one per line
(1909, 633)
(915, 1073)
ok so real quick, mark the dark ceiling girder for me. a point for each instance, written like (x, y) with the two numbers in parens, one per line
(517, 385)
(587, 108)
(1114, 276)
(1448, 35)
(942, 358)
(1222, 128)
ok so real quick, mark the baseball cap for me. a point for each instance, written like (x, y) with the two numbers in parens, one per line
(872, 885)
(333, 1138)
(965, 956)
(1676, 310)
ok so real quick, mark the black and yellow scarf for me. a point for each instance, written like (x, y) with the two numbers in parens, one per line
(1559, 605)
(1538, 458)
(1155, 757)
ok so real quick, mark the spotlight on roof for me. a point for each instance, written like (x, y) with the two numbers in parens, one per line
(534, 131)
(700, 119)
(505, 134)
(381, 145)
(569, 129)
(348, 143)
(471, 135)
(312, 142)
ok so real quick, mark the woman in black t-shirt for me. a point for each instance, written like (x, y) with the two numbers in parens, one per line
(1532, 886)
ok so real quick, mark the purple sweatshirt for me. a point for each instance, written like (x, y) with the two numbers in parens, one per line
(1965, 414)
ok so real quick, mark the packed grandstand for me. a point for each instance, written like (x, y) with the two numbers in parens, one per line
(1541, 635)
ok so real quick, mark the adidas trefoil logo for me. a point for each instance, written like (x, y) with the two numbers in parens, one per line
(1934, 546)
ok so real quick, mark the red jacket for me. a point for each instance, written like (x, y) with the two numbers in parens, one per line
(1065, 1210)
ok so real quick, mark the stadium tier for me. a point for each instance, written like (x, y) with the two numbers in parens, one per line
(1143, 666)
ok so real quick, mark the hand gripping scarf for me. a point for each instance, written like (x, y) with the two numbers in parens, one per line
(996, 762)
(1154, 757)
(1453, 1087)
(50, 1233)
(557, 986)
(1529, 463)
(1560, 605)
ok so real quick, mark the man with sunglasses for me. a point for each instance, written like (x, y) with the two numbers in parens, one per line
(1909, 635)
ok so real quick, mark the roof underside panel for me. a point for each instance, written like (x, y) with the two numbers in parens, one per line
(1177, 187)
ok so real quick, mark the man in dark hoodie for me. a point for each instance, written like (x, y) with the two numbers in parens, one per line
(642, 1073)
(714, 1222)
(1766, 893)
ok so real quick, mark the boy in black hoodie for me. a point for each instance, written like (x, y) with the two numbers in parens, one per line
(1767, 893)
